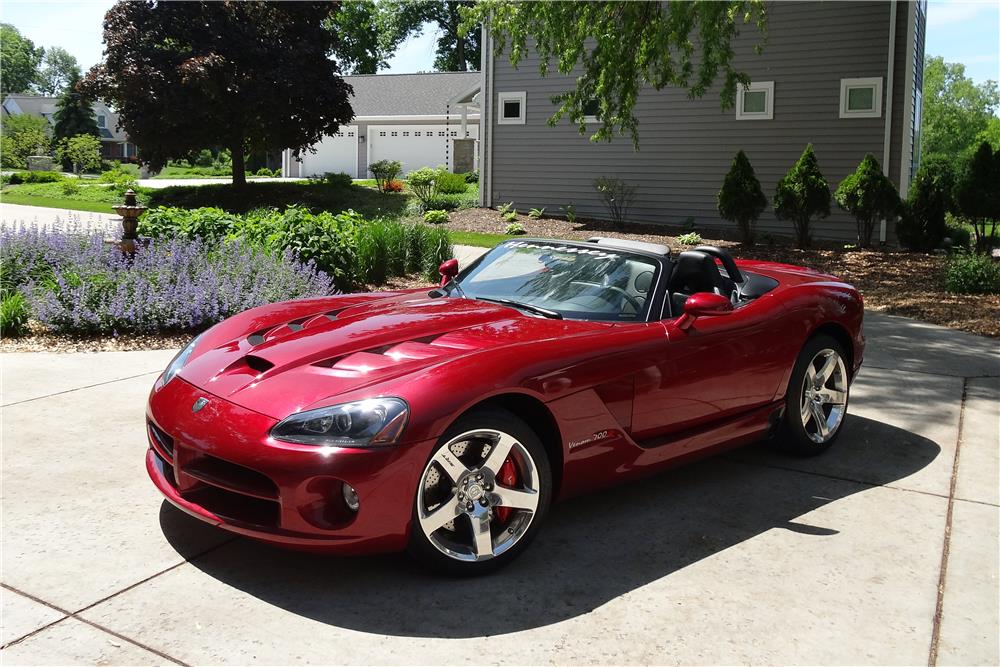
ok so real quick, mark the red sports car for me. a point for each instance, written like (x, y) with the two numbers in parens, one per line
(446, 421)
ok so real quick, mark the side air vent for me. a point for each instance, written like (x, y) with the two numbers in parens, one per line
(257, 363)
(257, 337)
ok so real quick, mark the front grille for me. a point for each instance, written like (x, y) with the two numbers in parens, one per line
(231, 477)
(165, 442)
(231, 491)
(235, 506)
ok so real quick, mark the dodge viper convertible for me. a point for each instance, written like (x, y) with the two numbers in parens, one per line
(446, 421)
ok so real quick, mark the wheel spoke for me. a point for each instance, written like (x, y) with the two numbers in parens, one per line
(442, 515)
(811, 375)
(805, 409)
(517, 499)
(820, 418)
(452, 466)
(482, 539)
(833, 397)
(826, 370)
(499, 453)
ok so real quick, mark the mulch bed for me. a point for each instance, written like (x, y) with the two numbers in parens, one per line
(891, 280)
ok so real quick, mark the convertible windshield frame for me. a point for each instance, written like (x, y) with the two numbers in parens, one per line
(660, 264)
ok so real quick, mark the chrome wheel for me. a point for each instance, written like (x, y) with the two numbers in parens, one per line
(478, 495)
(823, 401)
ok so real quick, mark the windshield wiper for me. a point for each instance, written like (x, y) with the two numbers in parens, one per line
(555, 315)
(440, 291)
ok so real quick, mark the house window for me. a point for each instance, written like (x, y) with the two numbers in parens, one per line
(416, 134)
(350, 134)
(454, 133)
(756, 101)
(381, 134)
(102, 121)
(441, 133)
(590, 111)
(861, 98)
(395, 134)
(511, 106)
(406, 134)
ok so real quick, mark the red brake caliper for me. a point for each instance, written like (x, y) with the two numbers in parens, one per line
(507, 477)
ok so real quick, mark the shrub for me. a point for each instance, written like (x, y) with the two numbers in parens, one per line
(977, 195)
(385, 171)
(922, 223)
(510, 216)
(19, 177)
(471, 176)
(436, 249)
(174, 284)
(415, 240)
(450, 184)
(617, 197)
(436, 217)
(210, 224)
(970, 273)
(121, 180)
(959, 234)
(801, 195)
(13, 314)
(570, 212)
(83, 151)
(373, 253)
(70, 187)
(536, 213)
(338, 179)
(505, 208)
(423, 183)
(23, 135)
(869, 196)
(515, 228)
(691, 238)
(393, 186)
(443, 203)
(741, 199)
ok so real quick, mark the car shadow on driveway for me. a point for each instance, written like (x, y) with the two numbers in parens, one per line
(591, 550)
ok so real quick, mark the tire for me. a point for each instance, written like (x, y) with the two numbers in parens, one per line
(814, 411)
(474, 512)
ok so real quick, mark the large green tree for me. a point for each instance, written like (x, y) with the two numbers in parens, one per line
(458, 48)
(19, 60)
(250, 76)
(74, 113)
(615, 49)
(59, 70)
(23, 135)
(955, 109)
(366, 36)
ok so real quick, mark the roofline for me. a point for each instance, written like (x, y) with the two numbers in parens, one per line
(469, 92)
(358, 76)
(453, 116)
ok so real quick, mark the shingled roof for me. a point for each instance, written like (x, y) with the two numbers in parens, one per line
(424, 94)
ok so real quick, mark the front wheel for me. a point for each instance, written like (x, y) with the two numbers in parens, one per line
(816, 399)
(482, 495)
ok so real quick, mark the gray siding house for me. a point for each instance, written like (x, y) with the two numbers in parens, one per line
(844, 76)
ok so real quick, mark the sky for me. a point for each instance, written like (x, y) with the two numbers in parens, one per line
(962, 31)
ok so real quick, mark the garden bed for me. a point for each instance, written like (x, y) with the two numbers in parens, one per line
(892, 281)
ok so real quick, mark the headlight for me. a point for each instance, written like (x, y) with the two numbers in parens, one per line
(177, 363)
(372, 422)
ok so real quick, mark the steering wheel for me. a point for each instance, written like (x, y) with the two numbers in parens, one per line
(632, 301)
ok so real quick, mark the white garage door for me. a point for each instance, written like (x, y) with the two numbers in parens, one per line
(414, 145)
(334, 153)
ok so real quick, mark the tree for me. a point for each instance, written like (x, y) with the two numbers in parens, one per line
(741, 199)
(802, 194)
(458, 48)
(83, 151)
(365, 38)
(23, 135)
(19, 60)
(955, 109)
(74, 113)
(977, 195)
(868, 195)
(250, 76)
(922, 225)
(991, 134)
(615, 49)
(59, 71)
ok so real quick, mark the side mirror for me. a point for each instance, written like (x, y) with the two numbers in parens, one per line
(448, 270)
(703, 304)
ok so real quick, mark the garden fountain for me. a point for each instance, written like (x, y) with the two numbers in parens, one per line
(130, 211)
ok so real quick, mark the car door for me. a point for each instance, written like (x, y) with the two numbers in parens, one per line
(713, 371)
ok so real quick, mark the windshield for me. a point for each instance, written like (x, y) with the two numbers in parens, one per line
(586, 283)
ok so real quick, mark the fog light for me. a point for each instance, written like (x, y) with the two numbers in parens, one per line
(351, 497)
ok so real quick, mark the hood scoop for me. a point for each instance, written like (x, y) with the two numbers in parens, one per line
(396, 355)
(273, 333)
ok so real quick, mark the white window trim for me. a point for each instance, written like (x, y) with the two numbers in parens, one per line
(755, 87)
(102, 120)
(511, 97)
(874, 82)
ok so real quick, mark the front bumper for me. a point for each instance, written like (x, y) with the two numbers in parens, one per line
(220, 465)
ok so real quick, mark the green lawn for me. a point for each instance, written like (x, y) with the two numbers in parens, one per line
(55, 202)
(480, 239)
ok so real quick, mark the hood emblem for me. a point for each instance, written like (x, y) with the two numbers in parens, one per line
(199, 404)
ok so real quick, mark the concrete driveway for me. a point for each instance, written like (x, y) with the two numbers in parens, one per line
(883, 551)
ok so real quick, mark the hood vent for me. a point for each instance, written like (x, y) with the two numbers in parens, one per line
(264, 335)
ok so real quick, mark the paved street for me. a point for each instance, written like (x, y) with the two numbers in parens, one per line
(746, 558)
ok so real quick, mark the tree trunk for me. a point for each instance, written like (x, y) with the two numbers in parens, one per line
(239, 164)
(460, 53)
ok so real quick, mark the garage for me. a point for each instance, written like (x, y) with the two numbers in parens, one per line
(335, 153)
(415, 146)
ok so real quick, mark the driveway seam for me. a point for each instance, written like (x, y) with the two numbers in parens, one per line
(932, 657)
(944, 375)
(68, 391)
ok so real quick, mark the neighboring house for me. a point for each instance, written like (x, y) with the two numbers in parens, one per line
(114, 142)
(422, 120)
(844, 76)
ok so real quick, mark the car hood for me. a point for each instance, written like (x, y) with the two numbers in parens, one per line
(313, 360)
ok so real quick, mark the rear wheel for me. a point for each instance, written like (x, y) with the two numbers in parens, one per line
(482, 495)
(816, 399)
